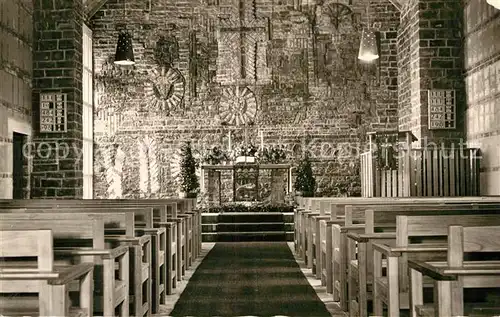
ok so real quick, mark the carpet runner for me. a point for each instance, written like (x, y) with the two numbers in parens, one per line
(249, 279)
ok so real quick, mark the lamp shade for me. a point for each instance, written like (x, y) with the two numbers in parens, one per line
(124, 51)
(368, 48)
(494, 3)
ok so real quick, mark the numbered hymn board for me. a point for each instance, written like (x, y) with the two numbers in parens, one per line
(53, 112)
(442, 109)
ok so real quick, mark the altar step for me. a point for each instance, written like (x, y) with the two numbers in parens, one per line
(243, 226)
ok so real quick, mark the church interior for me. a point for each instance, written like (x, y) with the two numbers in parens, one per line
(319, 158)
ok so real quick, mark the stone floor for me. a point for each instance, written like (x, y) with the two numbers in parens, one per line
(332, 306)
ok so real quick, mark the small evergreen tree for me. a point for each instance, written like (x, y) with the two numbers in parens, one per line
(305, 181)
(189, 180)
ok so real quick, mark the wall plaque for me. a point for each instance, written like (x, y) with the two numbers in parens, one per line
(53, 112)
(442, 109)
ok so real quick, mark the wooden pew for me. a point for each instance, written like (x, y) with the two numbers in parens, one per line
(159, 207)
(175, 208)
(312, 203)
(305, 231)
(138, 223)
(393, 288)
(354, 222)
(49, 282)
(380, 218)
(326, 247)
(120, 229)
(324, 214)
(185, 206)
(452, 276)
(325, 233)
(112, 288)
(168, 213)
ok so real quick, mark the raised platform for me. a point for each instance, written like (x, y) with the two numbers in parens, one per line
(245, 226)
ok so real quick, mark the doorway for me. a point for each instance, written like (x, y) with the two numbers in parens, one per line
(18, 165)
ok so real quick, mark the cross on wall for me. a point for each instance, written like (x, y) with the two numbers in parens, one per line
(247, 31)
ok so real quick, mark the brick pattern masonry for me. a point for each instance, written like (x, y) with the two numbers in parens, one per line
(206, 69)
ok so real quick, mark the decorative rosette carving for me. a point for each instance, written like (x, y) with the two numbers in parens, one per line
(237, 106)
(165, 90)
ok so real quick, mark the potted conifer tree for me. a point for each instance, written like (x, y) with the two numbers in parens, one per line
(189, 179)
(305, 183)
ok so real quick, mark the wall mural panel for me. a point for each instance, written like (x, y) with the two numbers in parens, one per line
(290, 72)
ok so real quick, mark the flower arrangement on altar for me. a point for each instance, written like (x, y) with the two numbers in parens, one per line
(216, 156)
(246, 153)
(246, 150)
(273, 154)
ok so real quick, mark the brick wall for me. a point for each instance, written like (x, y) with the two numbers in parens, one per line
(57, 160)
(301, 88)
(409, 68)
(16, 34)
(482, 69)
(430, 57)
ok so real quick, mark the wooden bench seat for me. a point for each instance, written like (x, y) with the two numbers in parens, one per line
(171, 207)
(389, 288)
(144, 219)
(455, 274)
(105, 250)
(107, 299)
(353, 222)
(50, 283)
(119, 222)
(383, 218)
(312, 204)
(181, 206)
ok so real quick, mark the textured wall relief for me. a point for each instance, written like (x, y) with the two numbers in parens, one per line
(209, 67)
(113, 164)
(165, 90)
(238, 106)
(149, 170)
(290, 53)
(242, 46)
(166, 50)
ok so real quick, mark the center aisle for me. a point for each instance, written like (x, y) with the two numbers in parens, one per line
(249, 279)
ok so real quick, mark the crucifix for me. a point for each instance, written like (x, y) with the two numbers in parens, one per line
(248, 26)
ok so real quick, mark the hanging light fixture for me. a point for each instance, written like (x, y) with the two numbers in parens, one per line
(494, 3)
(124, 50)
(368, 48)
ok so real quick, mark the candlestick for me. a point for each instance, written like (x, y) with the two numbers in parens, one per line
(261, 140)
(229, 137)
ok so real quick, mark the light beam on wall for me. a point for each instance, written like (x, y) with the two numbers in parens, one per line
(368, 48)
(124, 50)
(494, 3)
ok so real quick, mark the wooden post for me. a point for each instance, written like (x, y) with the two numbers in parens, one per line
(406, 173)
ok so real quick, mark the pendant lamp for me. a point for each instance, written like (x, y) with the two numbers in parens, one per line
(494, 3)
(368, 48)
(124, 50)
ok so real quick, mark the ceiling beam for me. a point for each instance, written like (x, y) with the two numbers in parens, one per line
(92, 6)
(397, 3)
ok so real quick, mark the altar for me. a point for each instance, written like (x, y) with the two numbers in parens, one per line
(248, 182)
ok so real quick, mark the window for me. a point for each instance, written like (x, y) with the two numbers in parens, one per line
(87, 115)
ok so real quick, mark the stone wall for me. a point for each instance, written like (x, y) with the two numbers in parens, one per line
(291, 73)
(482, 69)
(16, 37)
(57, 68)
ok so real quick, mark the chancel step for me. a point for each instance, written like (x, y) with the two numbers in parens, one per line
(247, 226)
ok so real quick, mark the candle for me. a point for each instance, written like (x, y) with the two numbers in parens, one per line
(229, 137)
(261, 140)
